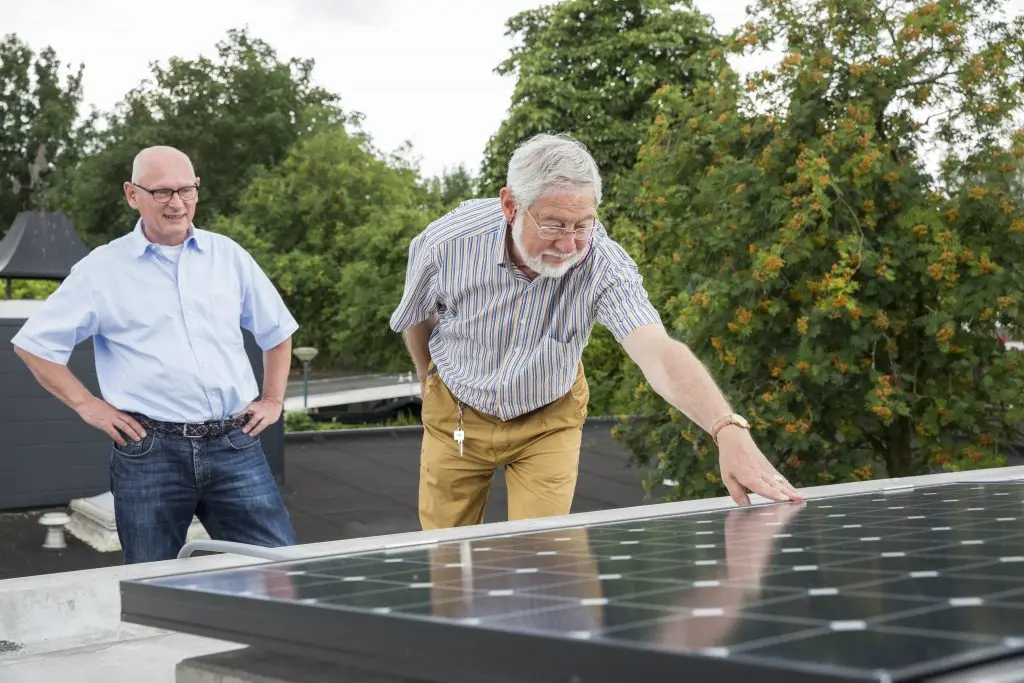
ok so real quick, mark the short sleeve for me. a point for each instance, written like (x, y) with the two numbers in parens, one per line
(419, 300)
(67, 318)
(264, 312)
(622, 303)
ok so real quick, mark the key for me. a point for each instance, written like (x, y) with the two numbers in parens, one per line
(460, 436)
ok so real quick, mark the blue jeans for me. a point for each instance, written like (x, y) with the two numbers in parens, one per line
(160, 482)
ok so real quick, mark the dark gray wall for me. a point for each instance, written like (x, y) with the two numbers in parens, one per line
(48, 456)
(272, 438)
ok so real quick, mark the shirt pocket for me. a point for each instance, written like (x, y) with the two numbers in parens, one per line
(221, 311)
(558, 358)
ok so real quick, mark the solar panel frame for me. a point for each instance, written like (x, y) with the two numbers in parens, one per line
(452, 653)
(456, 652)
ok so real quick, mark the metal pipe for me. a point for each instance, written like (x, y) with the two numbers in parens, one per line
(305, 385)
(202, 544)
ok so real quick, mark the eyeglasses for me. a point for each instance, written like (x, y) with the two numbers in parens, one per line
(556, 232)
(163, 195)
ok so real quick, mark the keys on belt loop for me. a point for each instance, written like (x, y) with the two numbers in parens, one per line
(460, 434)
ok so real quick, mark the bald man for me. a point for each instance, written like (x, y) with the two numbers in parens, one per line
(165, 306)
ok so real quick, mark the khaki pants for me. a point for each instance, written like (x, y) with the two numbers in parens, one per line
(540, 452)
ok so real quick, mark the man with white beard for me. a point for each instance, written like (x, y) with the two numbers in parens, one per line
(501, 296)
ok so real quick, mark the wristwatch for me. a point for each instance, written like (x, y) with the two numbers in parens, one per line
(723, 422)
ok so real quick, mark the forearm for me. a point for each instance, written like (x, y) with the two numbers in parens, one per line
(57, 380)
(276, 364)
(679, 377)
(417, 341)
(684, 382)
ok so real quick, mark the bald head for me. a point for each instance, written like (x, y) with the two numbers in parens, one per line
(164, 190)
(160, 160)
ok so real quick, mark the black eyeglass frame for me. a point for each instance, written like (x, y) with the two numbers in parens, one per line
(170, 193)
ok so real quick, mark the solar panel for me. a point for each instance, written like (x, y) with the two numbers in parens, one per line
(870, 587)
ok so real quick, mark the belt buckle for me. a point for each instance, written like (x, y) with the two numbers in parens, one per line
(201, 430)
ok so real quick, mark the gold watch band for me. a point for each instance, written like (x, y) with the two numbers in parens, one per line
(723, 422)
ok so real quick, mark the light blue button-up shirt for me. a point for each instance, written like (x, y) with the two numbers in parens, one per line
(166, 324)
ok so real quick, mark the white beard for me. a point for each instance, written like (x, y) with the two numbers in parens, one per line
(537, 263)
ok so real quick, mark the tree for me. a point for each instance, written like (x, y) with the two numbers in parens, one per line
(452, 187)
(841, 280)
(39, 125)
(590, 67)
(233, 115)
(331, 225)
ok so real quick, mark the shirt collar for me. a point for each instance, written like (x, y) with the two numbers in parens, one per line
(140, 244)
(502, 257)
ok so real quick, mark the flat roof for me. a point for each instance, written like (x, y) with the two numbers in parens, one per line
(346, 484)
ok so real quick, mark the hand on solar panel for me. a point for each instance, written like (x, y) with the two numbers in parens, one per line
(744, 468)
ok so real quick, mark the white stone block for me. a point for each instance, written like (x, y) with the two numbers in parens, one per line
(92, 522)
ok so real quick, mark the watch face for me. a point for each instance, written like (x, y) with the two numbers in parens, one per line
(741, 421)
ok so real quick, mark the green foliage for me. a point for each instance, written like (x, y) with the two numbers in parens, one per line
(283, 170)
(298, 421)
(38, 113)
(233, 115)
(452, 187)
(331, 227)
(590, 69)
(29, 289)
(847, 297)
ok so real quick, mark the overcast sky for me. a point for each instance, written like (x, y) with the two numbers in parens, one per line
(419, 70)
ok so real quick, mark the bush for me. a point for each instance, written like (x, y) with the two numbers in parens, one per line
(846, 294)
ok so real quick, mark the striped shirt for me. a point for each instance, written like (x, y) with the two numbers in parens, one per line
(505, 345)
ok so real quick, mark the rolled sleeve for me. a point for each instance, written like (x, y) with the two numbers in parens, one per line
(67, 318)
(264, 312)
(623, 304)
(419, 300)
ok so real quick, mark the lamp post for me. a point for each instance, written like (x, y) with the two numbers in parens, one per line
(305, 354)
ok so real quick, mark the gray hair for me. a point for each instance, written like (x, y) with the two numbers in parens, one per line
(547, 163)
